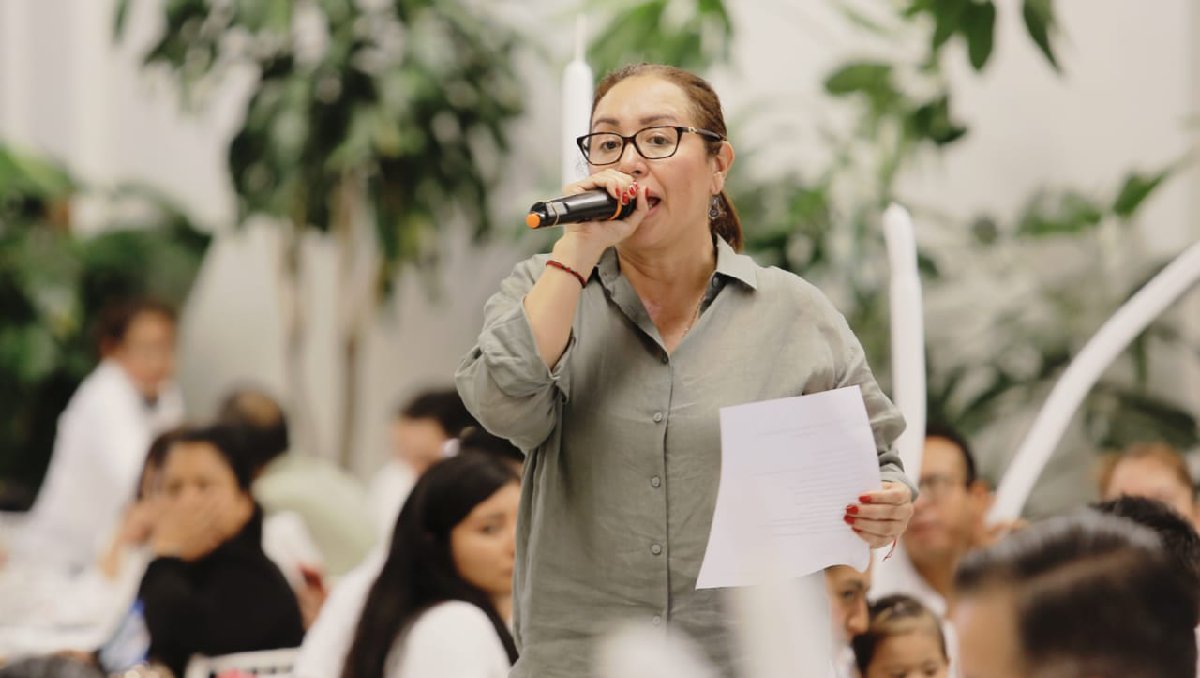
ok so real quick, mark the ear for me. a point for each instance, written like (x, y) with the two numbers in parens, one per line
(721, 162)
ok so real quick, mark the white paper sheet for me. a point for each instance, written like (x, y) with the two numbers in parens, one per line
(789, 468)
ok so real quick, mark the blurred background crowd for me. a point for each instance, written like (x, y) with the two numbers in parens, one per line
(243, 246)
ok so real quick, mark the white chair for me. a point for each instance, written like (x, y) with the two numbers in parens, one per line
(277, 663)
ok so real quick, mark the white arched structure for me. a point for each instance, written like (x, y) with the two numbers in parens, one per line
(1112, 338)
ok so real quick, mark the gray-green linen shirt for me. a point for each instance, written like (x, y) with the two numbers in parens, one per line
(623, 444)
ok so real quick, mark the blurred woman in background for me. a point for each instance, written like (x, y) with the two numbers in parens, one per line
(441, 602)
(211, 589)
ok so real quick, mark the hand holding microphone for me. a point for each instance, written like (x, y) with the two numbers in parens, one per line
(593, 219)
(593, 205)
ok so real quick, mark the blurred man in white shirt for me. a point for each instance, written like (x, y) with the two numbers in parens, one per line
(103, 436)
(419, 434)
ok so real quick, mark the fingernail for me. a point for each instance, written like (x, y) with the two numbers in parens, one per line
(849, 520)
(852, 509)
(864, 499)
(625, 199)
(856, 530)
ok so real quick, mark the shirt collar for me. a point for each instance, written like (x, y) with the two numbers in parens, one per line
(737, 266)
(730, 264)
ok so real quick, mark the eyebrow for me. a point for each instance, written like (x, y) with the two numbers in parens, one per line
(645, 120)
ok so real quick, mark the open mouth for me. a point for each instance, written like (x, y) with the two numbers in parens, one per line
(652, 200)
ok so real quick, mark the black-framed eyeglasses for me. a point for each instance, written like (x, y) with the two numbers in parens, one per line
(652, 143)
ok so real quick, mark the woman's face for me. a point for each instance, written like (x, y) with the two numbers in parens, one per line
(847, 588)
(196, 475)
(682, 186)
(916, 654)
(484, 543)
(147, 353)
(418, 442)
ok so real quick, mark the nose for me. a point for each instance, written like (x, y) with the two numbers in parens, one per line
(856, 623)
(923, 501)
(510, 543)
(631, 162)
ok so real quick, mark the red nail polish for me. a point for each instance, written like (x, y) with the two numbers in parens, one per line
(865, 499)
(625, 199)
(852, 510)
(849, 520)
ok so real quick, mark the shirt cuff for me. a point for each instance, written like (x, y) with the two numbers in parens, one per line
(511, 355)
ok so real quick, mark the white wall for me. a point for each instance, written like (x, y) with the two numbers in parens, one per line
(1130, 83)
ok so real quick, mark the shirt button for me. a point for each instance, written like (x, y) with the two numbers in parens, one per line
(656, 549)
(658, 417)
(656, 620)
(655, 481)
(666, 360)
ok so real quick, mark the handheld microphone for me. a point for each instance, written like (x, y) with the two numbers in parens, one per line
(594, 205)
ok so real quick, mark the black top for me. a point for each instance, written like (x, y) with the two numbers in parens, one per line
(231, 600)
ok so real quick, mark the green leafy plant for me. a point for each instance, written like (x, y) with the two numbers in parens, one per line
(53, 284)
(690, 34)
(378, 123)
(901, 109)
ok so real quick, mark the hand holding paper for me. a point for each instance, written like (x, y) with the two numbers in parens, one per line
(881, 516)
(790, 469)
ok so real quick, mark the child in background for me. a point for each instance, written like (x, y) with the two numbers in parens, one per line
(903, 640)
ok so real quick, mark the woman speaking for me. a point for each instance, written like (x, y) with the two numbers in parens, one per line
(608, 360)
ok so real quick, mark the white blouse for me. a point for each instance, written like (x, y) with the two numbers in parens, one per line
(451, 639)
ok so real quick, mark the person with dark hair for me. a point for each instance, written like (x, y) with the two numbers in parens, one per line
(419, 435)
(946, 522)
(319, 508)
(262, 421)
(608, 360)
(902, 638)
(327, 641)
(103, 436)
(1179, 538)
(476, 440)
(441, 406)
(440, 603)
(1085, 596)
(847, 590)
(211, 589)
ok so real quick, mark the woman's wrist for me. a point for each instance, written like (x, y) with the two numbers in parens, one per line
(573, 252)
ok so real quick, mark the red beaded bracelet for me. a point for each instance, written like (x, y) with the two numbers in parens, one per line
(563, 267)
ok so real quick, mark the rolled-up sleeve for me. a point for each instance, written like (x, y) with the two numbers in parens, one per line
(502, 380)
